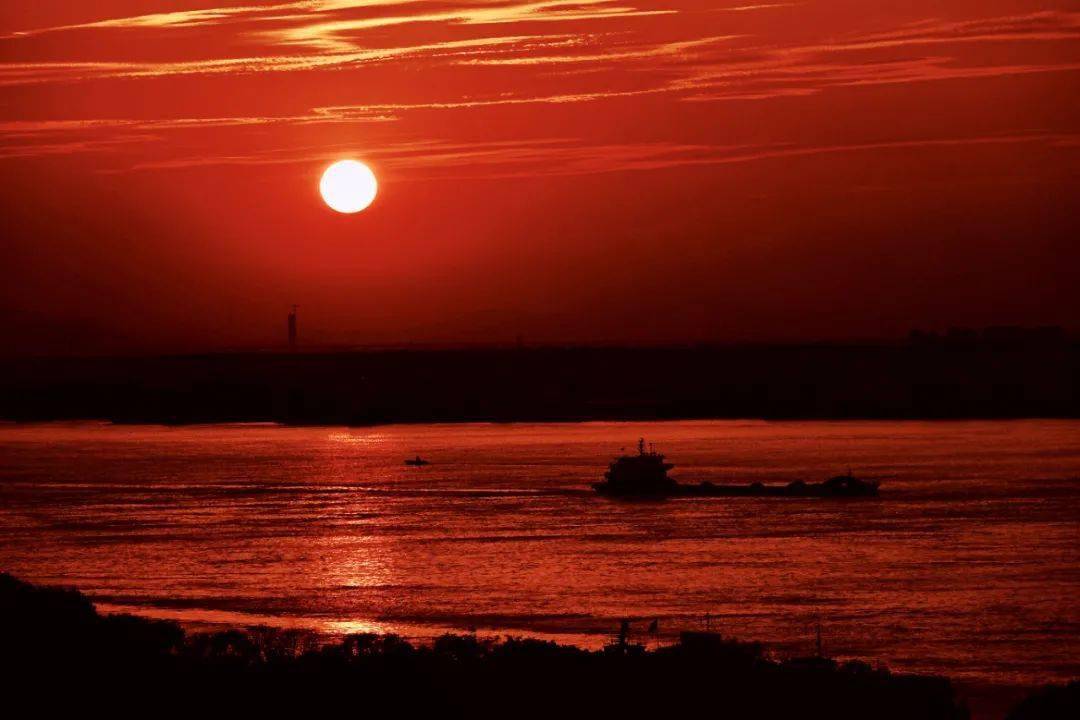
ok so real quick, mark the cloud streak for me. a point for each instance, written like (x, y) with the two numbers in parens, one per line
(212, 16)
(337, 35)
(29, 73)
(561, 53)
(556, 157)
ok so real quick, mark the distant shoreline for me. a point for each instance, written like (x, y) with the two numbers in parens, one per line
(796, 382)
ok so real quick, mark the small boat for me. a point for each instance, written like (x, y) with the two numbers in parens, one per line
(417, 461)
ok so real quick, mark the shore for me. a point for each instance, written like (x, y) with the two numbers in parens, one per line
(370, 387)
(57, 633)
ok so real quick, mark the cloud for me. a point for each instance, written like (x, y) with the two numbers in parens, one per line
(773, 80)
(766, 72)
(673, 61)
(570, 158)
(1046, 25)
(320, 25)
(330, 42)
(16, 73)
(68, 147)
(32, 128)
(555, 157)
(33, 138)
(683, 49)
(335, 35)
(212, 16)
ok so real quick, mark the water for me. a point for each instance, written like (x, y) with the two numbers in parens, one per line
(968, 565)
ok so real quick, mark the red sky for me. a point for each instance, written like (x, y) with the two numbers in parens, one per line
(588, 171)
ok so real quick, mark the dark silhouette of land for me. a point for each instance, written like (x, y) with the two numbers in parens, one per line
(56, 634)
(1054, 701)
(959, 375)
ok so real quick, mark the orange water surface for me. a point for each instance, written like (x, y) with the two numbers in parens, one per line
(967, 565)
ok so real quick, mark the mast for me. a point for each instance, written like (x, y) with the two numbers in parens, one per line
(292, 327)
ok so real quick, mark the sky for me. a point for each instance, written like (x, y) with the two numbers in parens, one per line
(595, 171)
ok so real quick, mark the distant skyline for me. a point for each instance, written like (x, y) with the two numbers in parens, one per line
(568, 172)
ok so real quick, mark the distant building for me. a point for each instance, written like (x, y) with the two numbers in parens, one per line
(999, 336)
(1015, 335)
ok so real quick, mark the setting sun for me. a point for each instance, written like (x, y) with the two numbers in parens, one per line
(348, 186)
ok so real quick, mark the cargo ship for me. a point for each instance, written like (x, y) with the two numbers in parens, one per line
(645, 476)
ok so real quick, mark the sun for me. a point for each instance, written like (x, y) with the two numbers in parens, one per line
(348, 186)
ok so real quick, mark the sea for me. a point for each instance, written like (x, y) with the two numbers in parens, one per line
(967, 565)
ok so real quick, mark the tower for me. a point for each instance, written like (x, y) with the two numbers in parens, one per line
(292, 327)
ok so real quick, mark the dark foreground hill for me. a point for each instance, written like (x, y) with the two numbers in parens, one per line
(935, 380)
(61, 654)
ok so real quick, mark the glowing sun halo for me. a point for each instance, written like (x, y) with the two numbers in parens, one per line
(348, 186)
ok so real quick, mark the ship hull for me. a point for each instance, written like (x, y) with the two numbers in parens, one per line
(807, 490)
